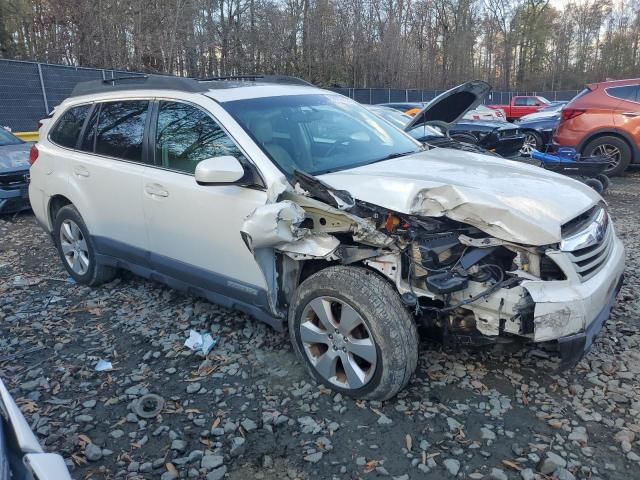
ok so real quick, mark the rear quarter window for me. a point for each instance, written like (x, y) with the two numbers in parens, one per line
(628, 92)
(66, 130)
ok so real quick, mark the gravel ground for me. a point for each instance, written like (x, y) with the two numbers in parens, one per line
(249, 411)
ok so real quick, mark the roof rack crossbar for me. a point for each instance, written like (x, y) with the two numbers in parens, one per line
(167, 82)
(286, 79)
(140, 82)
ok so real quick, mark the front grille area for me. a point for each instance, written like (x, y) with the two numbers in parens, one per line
(589, 260)
(13, 181)
(508, 133)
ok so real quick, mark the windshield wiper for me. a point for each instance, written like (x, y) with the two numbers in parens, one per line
(394, 155)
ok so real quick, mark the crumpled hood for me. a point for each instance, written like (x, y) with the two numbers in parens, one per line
(508, 200)
(14, 157)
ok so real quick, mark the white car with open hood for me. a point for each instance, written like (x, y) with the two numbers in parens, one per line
(307, 211)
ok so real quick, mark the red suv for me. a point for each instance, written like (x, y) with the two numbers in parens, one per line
(604, 119)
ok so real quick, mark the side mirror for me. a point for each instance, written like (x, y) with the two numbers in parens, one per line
(219, 170)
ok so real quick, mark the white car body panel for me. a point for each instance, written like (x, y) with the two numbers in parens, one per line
(486, 192)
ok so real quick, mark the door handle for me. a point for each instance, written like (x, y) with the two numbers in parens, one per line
(631, 114)
(80, 171)
(155, 190)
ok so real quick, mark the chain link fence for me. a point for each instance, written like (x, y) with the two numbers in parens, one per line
(395, 95)
(30, 90)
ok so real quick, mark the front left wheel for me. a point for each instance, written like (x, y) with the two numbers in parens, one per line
(352, 332)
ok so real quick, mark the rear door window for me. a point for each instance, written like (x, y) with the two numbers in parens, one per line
(65, 132)
(520, 102)
(120, 131)
(628, 92)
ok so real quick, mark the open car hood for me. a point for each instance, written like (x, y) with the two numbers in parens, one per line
(450, 106)
(508, 200)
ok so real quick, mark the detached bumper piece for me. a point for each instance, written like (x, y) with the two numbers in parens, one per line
(14, 192)
(574, 347)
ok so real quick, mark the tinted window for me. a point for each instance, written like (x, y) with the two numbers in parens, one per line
(66, 131)
(186, 135)
(521, 101)
(87, 142)
(629, 92)
(121, 129)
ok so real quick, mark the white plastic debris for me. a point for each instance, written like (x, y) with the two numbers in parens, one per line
(103, 366)
(199, 342)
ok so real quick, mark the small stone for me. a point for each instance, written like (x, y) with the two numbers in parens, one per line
(248, 424)
(116, 434)
(93, 452)
(487, 434)
(551, 462)
(361, 461)
(211, 461)
(634, 457)
(314, 457)
(193, 387)
(527, 474)
(498, 474)
(237, 446)
(384, 420)
(217, 474)
(453, 424)
(179, 445)
(452, 465)
(563, 474)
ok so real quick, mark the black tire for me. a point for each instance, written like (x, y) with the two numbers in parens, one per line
(95, 274)
(595, 184)
(619, 168)
(391, 327)
(604, 180)
(465, 138)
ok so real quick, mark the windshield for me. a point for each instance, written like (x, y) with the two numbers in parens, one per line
(7, 138)
(319, 133)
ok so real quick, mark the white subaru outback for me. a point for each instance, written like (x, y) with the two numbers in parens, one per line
(302, 208)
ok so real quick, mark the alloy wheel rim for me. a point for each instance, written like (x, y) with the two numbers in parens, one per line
(529, 144)
(74, 247)
(338, 343)
(611, 152)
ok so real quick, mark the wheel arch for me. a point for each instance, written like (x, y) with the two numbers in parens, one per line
(56, 202)
(635, 151)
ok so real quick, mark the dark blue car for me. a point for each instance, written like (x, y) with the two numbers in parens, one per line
(14, 173)
(537, 133)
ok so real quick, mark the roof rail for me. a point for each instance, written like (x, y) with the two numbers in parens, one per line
(138, 82)
(285, 79)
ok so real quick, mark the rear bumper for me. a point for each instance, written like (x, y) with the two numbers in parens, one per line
(573, 347)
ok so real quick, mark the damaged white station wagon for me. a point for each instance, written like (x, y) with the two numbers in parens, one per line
(300, 207)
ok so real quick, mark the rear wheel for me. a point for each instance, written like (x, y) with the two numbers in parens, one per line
(76, 249)
(352, 332)
(614, 149)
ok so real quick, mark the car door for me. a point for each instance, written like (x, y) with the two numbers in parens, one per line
(106, 174)
(194, 230)
(626, 114)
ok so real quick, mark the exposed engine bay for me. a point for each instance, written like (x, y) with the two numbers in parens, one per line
(450, 275)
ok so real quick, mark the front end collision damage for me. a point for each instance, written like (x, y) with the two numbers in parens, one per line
(476, 289)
